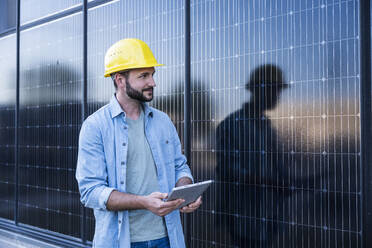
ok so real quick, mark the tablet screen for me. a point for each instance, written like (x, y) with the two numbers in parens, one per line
(189, 193)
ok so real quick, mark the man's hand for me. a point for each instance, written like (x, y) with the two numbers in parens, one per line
(192, 206)
(154, 202)
(183, 181)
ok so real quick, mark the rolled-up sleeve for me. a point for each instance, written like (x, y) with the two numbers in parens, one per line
(182, 169)
(91, 171)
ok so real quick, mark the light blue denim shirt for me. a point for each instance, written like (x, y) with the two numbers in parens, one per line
(101, 168)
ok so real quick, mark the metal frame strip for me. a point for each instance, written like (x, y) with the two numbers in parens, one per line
(52, 17)
(42, 234)
(16, 121)
(365, 121)
(84, 103)
(187, 105)
(8, 32)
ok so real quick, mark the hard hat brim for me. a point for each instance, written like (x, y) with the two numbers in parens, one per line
(123, 68)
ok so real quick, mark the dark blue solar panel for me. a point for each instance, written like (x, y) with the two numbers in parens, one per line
(7, 126)
(276, 123)
(50, 118)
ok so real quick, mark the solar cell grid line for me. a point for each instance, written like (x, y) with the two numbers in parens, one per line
(348, 138)
(342, 145)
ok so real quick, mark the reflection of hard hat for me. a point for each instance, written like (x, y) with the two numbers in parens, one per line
(128, 54)
(266, 75)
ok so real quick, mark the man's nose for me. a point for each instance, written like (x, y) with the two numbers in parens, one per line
(151, 82)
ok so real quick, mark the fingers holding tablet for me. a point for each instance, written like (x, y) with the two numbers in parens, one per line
(192, 206)
(191, 194)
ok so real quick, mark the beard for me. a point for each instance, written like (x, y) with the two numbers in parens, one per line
(138, 95)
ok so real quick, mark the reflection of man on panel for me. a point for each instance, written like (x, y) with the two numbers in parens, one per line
(128, 154)
(250, 165)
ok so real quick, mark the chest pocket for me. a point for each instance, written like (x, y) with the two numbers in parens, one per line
(167, 146)
(160, 137)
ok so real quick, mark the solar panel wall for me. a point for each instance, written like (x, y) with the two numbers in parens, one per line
(275, 114)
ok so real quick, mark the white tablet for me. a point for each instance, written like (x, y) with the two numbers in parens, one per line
(189, 193)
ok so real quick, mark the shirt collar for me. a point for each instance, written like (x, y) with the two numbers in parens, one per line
(147, 109)
(117, 110)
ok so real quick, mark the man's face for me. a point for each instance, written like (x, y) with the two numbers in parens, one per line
(140, 84)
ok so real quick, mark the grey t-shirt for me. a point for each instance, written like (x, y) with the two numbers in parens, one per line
(142, 180)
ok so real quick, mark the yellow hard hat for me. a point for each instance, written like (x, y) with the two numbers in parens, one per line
(128, 54)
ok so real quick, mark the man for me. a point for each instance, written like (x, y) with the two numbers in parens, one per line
(130, 158)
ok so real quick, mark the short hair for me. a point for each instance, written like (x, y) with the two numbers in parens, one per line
(124, 73)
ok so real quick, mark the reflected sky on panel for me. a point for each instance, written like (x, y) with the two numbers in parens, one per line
(287, 175)
(49, 123)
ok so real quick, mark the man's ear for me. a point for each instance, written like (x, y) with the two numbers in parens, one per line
(120, 80)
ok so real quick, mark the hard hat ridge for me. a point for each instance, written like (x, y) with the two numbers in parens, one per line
(127, 54)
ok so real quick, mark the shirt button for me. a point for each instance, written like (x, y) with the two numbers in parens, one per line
(124, 144)
(119, 221)
(125, 127)
(121, 182)
(122, 163)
